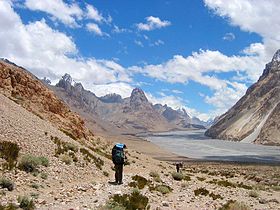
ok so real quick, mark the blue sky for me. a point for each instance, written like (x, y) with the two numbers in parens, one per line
(197, 55)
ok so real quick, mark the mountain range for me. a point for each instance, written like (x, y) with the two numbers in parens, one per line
(256, 116)
(113, 114)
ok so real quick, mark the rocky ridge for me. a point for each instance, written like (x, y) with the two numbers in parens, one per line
(112, 113)
(256, 116)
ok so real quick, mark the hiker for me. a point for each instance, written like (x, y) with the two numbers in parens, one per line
(179, 165)
(118, 157)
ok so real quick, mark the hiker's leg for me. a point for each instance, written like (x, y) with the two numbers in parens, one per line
(120, 173)
(116, 173)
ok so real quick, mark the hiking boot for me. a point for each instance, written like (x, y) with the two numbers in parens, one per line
(119, 183)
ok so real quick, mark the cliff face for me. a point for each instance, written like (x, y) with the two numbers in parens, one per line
(25, 89)
(256, 116)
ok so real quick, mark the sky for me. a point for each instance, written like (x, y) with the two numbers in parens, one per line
(200, 55)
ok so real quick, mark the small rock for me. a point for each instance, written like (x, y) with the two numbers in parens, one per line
(165, 203)
(262, 201)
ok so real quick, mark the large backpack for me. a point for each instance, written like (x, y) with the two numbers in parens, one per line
(118, 155)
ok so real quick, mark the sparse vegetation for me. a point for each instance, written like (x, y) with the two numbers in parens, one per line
(177, 176)
(253, 194)
(65, 158)
(132, 201)
(30, 163)
(44, 175)
(154, 174)
(234, 205)
(67, 133)
(90, 157)
(9, 206)
(164, 189)
(200, 179)
(139, 182)
(215, 196)
(6, 183)
(9, 151)
(201, 191)
(26, 203)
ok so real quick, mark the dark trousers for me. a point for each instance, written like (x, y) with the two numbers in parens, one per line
(118, 173)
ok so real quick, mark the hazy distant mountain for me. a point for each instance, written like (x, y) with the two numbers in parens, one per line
(112, 113)
(256, 116)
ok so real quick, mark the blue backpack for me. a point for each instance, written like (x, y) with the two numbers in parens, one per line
(118, 154)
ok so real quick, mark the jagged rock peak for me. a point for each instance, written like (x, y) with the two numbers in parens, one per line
(111, 98)
(138, 94)
(276, 56)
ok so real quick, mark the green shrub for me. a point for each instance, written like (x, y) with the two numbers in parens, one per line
(26, 203)
(9, 206)
(201, 191)
(164, 189)
(30, 163)
(154, 174)
(43, 161)
(90, 157)
(66, 159)
(9, 151)
(35, 186)
(253, 194)
(177, 176)
(234, 205)
(44, 175)
(215, 196)
(139, 182)
(200, 179)
(6, 183)
(131, 202)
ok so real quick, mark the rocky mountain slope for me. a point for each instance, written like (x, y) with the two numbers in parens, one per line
(112, 113)
(25, 89)
(256, 116)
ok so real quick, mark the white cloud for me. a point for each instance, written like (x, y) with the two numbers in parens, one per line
(177, 103)
(119, 30)
(157, 43)
(181, 69)
(92, 27)
(139, 43)
(123, 89)
(58, 9)
(153, 23)
(261, 17)
(93, 14)
(229, 37)
(45, 52)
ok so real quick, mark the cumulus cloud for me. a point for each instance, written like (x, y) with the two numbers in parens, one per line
(45, 52)
(229, 37)
(92, 27)
(195, 67)
(121, 88)
(153, 23)
(58, 9)
(93, 14)
(256, 16)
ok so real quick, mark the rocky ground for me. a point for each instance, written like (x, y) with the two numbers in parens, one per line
(83, 184)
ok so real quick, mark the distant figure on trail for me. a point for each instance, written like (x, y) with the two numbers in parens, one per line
(118, 158)
(179, 165)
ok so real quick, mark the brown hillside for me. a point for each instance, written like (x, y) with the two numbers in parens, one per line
(25, 89)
